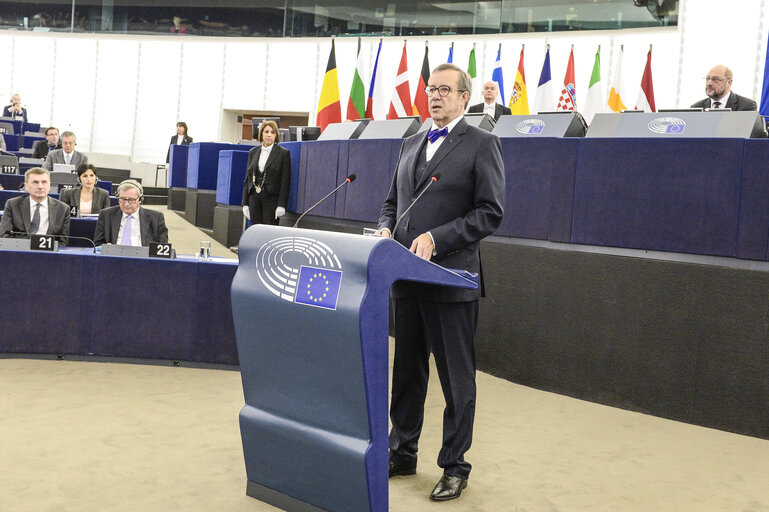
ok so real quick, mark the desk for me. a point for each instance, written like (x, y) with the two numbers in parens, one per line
(93, 305)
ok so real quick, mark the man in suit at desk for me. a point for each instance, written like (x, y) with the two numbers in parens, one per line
(51, 143)
(128, 223)
(15, 110)
(65, 155)
(445, 226)
(35, 213)
(490, 105)
(718, 87)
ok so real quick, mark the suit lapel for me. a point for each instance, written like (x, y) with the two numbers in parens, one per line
(25, 217)
(51, 216)
(453, 140)
(270, 159)
(143, 225)
(115, 225)
(732, 103)
(412, 164)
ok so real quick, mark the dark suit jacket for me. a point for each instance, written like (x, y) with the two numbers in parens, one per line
(499, 110)
(16, 217)
(72, 198)
(736, 102)
(185, 142)
(153, 226)
(7, 112)
(461, 208)
(41, 149)
(57, 157)
(278, 169)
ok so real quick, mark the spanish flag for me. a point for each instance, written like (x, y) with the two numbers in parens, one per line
(519, 99)
(329, 106)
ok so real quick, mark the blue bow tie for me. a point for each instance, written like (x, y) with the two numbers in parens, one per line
(437, 134)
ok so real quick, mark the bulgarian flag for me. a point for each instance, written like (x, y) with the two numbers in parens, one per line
(356, 105)
(645, 100)
(401, 98)
(329, 106)
(519, 98)
(420, 97)
(594, 102)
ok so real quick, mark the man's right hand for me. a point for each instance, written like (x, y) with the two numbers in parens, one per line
(246, 213)
(385, 233)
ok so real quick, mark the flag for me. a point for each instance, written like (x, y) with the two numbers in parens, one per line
(356, 105)
(594, 102)
(420, 97)
(318, 287)
(401, 99)
(615, 93)
(544, 100)
(497, 76)
(375, 90)
(568, 99)
(646, 94)
(329, 106)
(451, 54)
(519, 99)
(473, 77)
(764, 107)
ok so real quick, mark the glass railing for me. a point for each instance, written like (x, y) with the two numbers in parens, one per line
(322, 18)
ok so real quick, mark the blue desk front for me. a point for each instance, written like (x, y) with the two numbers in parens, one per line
(77, 303)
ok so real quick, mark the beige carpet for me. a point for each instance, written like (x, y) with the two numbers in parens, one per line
(85, 436)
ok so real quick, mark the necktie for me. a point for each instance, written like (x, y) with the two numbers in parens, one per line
(68, 158)
(437, 134)
(126, 240)
(35, 225)
(716, 104)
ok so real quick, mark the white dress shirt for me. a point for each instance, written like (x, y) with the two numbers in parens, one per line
(179, 139)
(266, 150)
(136, 229)
(43, 227)
(490, 110)
(432, 147)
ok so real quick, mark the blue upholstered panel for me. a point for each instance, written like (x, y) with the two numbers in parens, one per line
(11, 181)
(203, 163)
(318, 176)
(295, 148)
(230, 176)
(11, 142)
(753, 230)
(177, 166)
(373, 162)
(528, 179)
(667, 195)
(562, 191)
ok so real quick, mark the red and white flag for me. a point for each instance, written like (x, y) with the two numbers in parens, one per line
(568, 98)
(645, 100)
(400, 105)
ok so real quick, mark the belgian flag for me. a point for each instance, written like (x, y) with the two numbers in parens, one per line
(329, 106)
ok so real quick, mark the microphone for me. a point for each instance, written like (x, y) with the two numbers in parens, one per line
(348, 179)
(69, 237)
(435, 177)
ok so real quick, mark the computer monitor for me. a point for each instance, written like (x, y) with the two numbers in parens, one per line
(256, 122)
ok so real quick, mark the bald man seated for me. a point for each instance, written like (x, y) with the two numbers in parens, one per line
(718, 87)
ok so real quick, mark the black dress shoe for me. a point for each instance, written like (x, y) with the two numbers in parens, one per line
(401, 469)
(448, 487)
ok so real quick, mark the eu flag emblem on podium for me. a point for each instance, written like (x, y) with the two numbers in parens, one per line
(318, 287)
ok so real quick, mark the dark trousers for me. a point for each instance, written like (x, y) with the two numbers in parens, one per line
(447, 329)
(262, 207)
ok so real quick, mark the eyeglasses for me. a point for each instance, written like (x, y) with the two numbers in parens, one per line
(716, 79)
(443, 90)
(128, 200)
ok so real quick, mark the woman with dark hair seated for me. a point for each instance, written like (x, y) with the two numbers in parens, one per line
(87, 198)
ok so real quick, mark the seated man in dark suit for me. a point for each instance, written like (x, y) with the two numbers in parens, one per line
(36, 213)
(718, 87)
(128, 223)
(490, 105)
(15, 110)
(65, 155)
(51, 142)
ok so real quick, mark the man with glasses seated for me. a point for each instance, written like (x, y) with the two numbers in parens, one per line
(128, 223)
(718, 87)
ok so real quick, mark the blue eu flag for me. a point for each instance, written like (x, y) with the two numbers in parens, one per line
(318, 287)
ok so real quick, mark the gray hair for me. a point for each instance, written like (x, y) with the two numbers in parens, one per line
(127, 184)
(465, 82)
(68, 134)
(35, 170)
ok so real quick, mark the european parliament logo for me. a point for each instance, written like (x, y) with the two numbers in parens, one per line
(531, 126)
(300, 270)
(318, 287)
(667, 125)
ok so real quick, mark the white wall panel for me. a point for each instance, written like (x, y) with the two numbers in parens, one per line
(244, 76)
(115, 98)
(33, 64)
(200, 93)
(157, 99)
(6, 63)
(74, 83)
(295, 72)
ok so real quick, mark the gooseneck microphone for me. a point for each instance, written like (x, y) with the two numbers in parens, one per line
(68, 237)
(435, 177)
(348, 179)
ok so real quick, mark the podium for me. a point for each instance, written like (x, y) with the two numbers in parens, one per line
(311, 312)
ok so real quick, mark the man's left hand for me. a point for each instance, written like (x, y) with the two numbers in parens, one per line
(423, 246)
(279, 212)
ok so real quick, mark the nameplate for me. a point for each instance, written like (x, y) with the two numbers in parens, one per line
(127, 251)
(8, 169)
(14, 244)
(158, 250)
(43, 243)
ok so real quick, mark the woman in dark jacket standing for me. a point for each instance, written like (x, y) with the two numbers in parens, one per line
(265, 191)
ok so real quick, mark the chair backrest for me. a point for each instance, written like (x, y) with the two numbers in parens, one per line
(9, 164)
(7, 129)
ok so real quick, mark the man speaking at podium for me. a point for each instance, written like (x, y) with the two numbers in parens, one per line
(446, 226)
